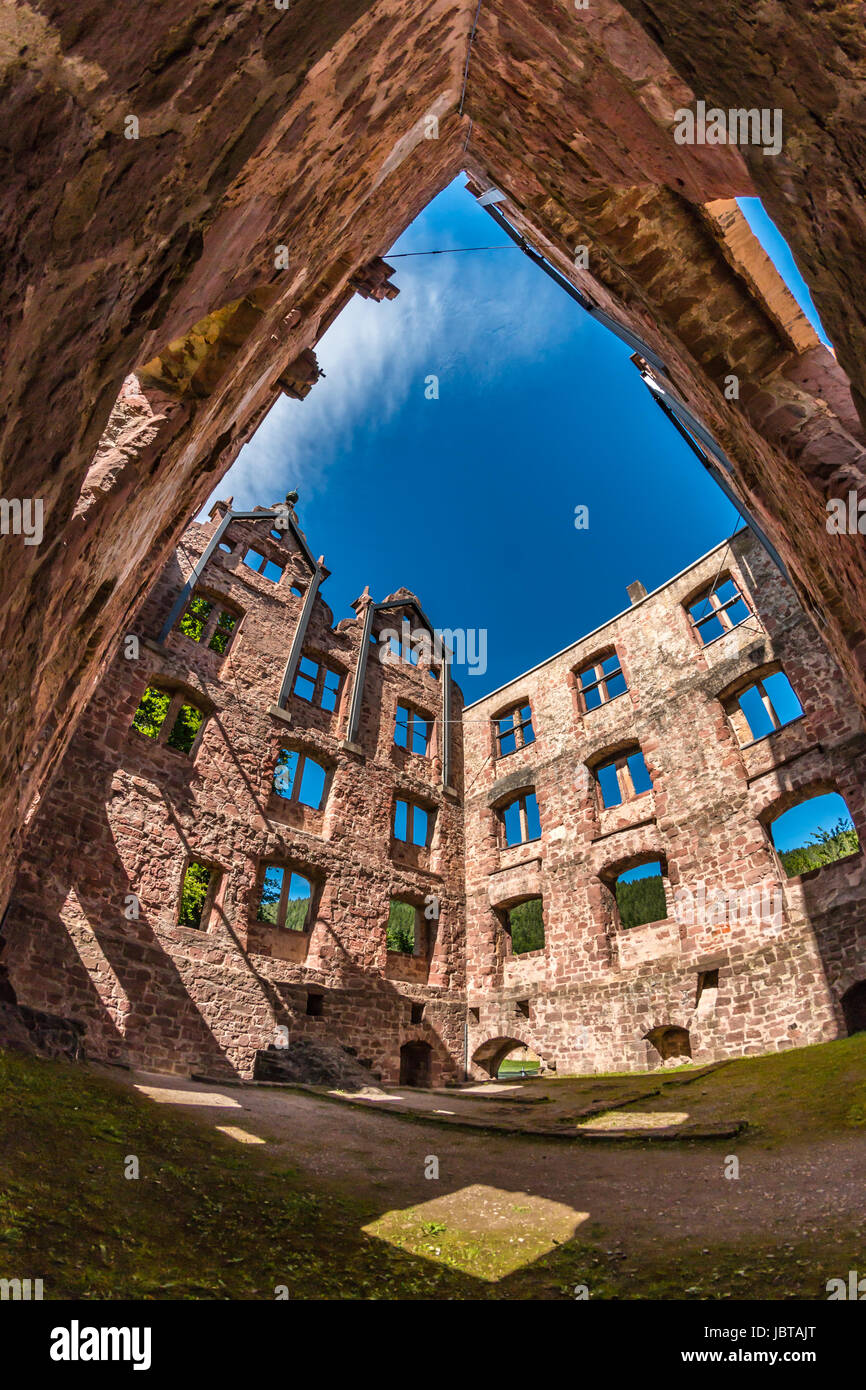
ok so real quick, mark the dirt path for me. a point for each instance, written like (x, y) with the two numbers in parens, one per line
(537, 1193)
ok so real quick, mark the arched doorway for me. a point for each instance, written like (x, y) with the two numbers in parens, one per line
(670, 1041)
(854, 1008)
(415, 1064)
(492, 1053)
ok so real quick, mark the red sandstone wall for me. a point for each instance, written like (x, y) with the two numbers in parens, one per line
(124, 815)
(596, 989)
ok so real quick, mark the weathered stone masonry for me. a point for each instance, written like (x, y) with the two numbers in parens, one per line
(588, 999)
(126, 814)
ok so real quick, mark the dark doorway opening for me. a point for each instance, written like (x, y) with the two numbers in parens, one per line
(670, 1042)
(854, 1008)
(415, 1060)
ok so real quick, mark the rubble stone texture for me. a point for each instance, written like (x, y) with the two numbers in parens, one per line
(331, 1003)
(156, 172)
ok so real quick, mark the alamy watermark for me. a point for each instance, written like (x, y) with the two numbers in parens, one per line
(737, 126)
(461, 646)
(846, 517)
(758, 905)
(22, 518)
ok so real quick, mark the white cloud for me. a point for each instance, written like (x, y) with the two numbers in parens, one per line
(456, 321)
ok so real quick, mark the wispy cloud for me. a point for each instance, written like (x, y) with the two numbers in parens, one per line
(465, 322)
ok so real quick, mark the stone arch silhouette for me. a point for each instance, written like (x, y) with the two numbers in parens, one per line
(670, 1040)
(492, 1053)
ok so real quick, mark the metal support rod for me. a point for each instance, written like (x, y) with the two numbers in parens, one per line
(600, 315)
(445, 676)
(360, 674)
(722, 483)
(299, 638)
(195, 575)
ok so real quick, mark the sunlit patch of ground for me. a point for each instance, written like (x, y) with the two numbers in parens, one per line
(481, 1230)
(635, 1119)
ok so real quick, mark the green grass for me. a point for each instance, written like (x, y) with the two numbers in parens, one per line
(209, 1219)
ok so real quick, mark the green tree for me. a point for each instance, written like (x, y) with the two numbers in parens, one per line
(196, 882)
(527, 926)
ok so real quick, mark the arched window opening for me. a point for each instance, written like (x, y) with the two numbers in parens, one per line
(299, 778)
(854, 1008)
(623, 778)
(286, 899)
(600, 682)
(519, 820)
(814, 833)
(670, 1042)
(524, 922)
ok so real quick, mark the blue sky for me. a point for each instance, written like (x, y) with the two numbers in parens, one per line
(469, 499)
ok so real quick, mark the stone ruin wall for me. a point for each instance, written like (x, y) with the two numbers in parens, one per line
(146, 331)
(125, 815)
(587, 1000)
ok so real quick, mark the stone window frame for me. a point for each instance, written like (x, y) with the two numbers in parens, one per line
(219, 606)
(324, 667)
(304, 755)
(595, 664)
(619, 761)
(609, 876)
(513, 711)
(718, 608)
(413, 803)
(518, 798)
(415, 716)
(503, 913)
(422, 940)
(180, 695)
(799, 796)
(213, 894)
(729, 699)
(266, 559)
(289, 867)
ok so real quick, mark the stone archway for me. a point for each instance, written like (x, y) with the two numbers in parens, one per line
(492, 1053)
(854, 1008)
(670, 1041)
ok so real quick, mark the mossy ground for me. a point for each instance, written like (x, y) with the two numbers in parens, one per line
(209, 1220)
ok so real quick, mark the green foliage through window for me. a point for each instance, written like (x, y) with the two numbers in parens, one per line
(226, 624)
(193, 894)
(186, 726)
(151, 712)
(823, 847)
(400, 933)
(192, 624)
(527, 926)
(641, 901)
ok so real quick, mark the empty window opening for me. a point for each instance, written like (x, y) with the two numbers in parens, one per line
(525, 925)
(640, 895)
(520, 820)
(196, 894)
(670, 1041)
(206, 621)
(318, 683)
(411, 823)
(225, 547)
(298, 777)
(854, 1008)
(259, 564)
(767, 705)
(474, 1015)
(415, 1064)
(623, 778)
(286, 899)
(416, 1013)
(296, 590)
(402, 933)
(707, 991)
(513, 730)
(522, 1007)
(717, 611)
(412, 731)
(814, 833)
(169, 719)
(315, 1004)
(601, 682)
